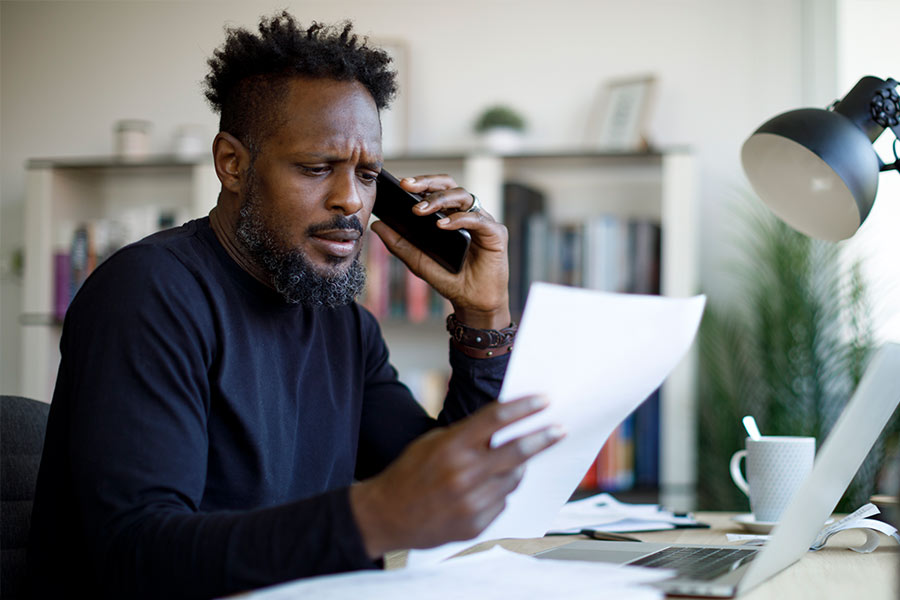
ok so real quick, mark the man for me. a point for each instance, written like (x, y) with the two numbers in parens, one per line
(225, 416)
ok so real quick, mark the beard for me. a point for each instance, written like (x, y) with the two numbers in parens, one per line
(290, 271)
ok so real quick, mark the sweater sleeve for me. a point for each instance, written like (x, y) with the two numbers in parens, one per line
(392, 418)
(130, 423)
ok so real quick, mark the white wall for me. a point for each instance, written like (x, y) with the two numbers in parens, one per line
(71, 69)
(867, 45)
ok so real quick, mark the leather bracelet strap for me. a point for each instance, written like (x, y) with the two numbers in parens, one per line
(480, 343)
(482, 352)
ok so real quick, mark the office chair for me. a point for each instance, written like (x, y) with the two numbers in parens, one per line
(22, 426)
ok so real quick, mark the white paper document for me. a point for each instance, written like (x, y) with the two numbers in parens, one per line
(595, 356)
(606, 513)
(493, 574)
(856, 520)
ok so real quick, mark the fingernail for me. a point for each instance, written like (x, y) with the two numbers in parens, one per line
(538, 402)
(409, 179)
(422, 205)
(555, 432)
(443, 221)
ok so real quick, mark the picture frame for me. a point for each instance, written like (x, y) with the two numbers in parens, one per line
(395, 118)
(621, 114)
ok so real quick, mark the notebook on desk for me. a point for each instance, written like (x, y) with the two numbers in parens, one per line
(727, 571)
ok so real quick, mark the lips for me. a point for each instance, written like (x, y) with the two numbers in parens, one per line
(339, 235)
(337, 242)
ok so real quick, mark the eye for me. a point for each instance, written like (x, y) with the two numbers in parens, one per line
(368, 176)
(314, 169)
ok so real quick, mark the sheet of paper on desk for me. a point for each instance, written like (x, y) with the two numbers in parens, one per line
(495, 573)
(605, 513)
(596, 356)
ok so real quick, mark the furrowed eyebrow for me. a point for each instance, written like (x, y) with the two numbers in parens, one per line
(333, 158)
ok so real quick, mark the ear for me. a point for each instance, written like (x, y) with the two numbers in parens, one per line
(231, 160)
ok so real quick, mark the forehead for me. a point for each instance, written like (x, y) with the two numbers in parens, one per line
(327, 112)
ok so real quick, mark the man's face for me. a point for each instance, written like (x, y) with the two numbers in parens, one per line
(310, 190)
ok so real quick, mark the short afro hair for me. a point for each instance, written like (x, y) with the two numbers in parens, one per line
(249, 73)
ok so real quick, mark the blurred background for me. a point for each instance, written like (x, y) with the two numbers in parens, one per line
(73, 70)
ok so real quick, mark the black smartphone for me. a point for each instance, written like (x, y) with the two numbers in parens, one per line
(393, 205)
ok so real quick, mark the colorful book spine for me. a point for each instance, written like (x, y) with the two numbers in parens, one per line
(62, 284)
(376, 259)
(82, 258)
(416, 298)
(646, 431)
(392, 291)
(614, 254)
(589, 481)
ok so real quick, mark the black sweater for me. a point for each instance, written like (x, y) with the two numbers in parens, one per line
(203, 433)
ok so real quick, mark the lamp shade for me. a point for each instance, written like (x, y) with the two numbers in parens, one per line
(815, 169)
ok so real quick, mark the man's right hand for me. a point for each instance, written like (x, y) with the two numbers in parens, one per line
(449, 484)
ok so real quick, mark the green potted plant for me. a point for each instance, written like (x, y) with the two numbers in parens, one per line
(500, 128)
(789, 348)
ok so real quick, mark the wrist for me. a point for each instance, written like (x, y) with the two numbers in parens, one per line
(483, 319)
(481, 343)
(363, 499)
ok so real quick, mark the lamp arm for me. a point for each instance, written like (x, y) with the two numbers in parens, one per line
(894, 166)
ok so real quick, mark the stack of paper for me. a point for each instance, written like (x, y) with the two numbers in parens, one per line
(496, 573)
(856, 520)
(605, 513)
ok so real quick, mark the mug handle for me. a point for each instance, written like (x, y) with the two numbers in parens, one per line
(736, 474)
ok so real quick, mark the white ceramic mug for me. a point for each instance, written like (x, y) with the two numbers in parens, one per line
(776, 466)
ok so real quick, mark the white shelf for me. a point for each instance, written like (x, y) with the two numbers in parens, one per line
(62, 193)
(655, 186)
(658, 186)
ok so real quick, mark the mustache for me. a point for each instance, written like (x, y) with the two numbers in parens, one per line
(338, 222)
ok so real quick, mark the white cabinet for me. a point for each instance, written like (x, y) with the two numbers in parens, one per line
(63, 194)
(659, 187)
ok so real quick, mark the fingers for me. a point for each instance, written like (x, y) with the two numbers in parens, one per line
(513, 454)
(424, 184)
(516, 452)
(449, 484)
(418, 262)
(497, 477)
(495, 416)
(449, 201)
(440, 193)
(490, 233)
(483, 504)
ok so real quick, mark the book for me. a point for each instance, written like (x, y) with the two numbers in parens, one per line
(417, 298)
(62, 284)
(645, 239)
(646, 451)
(376, 295)
(520, 204)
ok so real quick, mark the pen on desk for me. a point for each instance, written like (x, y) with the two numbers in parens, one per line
(596, 534)
(697, 525)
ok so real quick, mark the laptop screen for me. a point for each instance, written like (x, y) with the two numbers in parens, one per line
(838, 460)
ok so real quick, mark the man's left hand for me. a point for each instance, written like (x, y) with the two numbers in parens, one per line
(479, 292)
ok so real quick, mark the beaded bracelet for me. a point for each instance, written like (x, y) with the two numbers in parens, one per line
(480, 343)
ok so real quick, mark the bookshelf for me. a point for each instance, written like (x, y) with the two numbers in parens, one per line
(657, 187)
(65, 194)
(580, 188)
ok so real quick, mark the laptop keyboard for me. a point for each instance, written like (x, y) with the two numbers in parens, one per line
(701, 564)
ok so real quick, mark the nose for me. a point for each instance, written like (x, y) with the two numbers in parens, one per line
(345, 194)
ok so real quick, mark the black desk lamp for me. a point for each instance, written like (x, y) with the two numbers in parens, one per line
(816, 168)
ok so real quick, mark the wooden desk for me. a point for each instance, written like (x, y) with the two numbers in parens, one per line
(833, 572)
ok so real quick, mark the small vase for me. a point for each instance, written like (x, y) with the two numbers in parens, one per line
(502, 140)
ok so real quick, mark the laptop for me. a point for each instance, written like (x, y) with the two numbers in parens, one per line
(728, 571)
